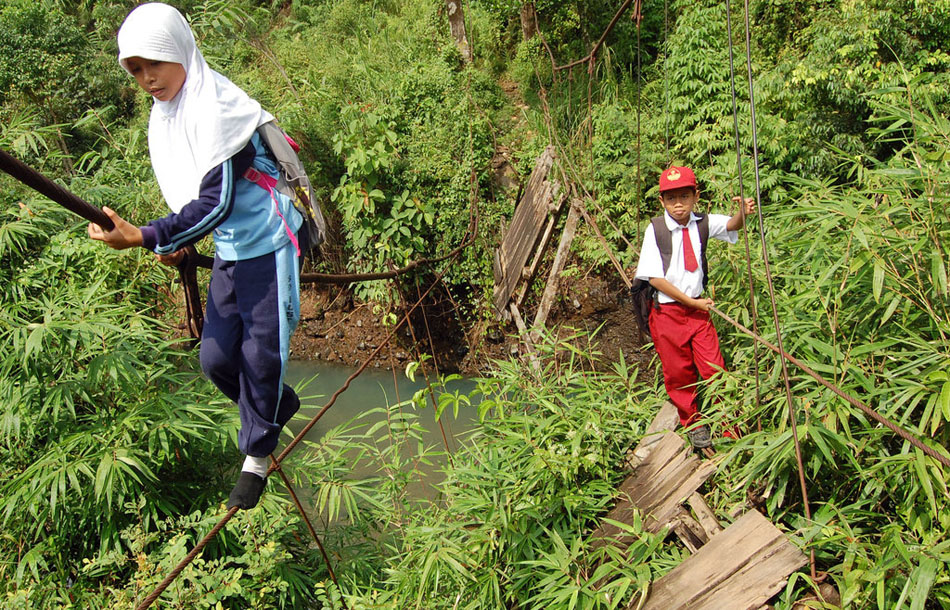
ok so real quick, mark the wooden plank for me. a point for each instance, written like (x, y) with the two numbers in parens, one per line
(689, 531)
(704, 514)
(553, 213)
(666, 420)
(522, 234)
(663, 481)
(560, 260)
(526, 336)
(740, 568)
(530, 271)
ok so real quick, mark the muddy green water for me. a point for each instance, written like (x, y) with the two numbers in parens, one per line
(373, 389)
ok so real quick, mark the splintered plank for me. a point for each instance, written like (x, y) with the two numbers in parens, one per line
(740, 568)
(663, 481)
(666, 420)
(526, 227)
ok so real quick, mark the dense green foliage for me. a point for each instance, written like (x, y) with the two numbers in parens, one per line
(116, 454)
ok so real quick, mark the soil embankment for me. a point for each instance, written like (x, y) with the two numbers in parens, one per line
(335, 329)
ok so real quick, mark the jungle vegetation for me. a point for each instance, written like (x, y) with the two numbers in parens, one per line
(116, 454)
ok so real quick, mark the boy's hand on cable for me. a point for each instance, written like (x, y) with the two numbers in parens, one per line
(124, 235)
(749, 204)
(172, 260)
(702, 304)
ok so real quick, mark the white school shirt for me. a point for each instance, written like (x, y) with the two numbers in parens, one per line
(690, 282)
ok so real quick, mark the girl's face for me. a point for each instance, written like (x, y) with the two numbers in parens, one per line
(161, 79)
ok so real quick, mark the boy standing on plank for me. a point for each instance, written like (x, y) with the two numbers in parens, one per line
(682, 331)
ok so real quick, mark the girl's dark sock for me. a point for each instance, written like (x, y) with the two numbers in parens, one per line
(247, 491)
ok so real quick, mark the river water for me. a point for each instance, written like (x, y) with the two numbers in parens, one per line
(375, 389)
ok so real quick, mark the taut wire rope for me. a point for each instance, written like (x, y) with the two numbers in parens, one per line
(745, 228)
(870, 412)
(276, 462)
(306, 519)
(639, 17)
(666, 79)
(793, 420)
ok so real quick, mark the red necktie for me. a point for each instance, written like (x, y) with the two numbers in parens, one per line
(689, 258)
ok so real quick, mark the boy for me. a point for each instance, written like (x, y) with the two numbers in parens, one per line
(682, 332)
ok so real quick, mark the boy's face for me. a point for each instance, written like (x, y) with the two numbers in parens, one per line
(679, 203)
(161, 79)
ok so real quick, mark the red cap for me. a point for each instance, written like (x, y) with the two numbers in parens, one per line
(677, 177)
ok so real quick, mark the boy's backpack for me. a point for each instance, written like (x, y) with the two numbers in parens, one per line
(292, 182)
(644, 295)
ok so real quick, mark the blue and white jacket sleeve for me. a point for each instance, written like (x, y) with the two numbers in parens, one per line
(202, 215)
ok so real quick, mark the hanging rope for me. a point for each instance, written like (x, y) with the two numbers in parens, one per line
(745, 228)
(306, 519)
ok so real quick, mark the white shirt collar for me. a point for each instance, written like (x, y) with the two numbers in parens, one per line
(672, 224)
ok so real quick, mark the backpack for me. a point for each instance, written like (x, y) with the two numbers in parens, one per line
(294, 184)
(644, 295)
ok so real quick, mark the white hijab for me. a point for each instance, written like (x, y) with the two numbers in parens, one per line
(209, 121)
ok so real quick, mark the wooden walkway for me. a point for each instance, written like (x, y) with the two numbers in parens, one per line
(739, 567)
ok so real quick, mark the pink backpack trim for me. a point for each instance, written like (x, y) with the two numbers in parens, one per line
(268, 183)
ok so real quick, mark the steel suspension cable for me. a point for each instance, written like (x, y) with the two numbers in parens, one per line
(768, 278)
(666, 78)
(869, 411)
(639, 18)
(745, 228)
(306, 519)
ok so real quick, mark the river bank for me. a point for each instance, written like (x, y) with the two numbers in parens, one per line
(334, 328)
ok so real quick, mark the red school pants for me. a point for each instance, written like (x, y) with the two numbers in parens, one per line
(686, 341)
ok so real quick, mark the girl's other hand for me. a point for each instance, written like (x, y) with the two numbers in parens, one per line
(124, 235)
(172, 260)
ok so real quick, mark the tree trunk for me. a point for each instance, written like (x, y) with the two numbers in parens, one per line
(457, 25)
(529, 20)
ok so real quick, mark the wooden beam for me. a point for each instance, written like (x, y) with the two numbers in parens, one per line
(526, 336)
(560, 260)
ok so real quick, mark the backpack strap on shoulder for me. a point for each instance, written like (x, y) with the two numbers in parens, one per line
(703, 225)
(269, 184)
(664, 240)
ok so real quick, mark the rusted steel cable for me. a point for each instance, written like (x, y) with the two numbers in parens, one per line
(151, 597)
(59, 194)
(194, 312)
(768, 280)
(154, 595)
(870, 412)
(745, 231)
(346, 278)
(306, 519)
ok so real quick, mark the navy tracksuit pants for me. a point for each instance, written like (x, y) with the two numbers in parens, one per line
(253, 307)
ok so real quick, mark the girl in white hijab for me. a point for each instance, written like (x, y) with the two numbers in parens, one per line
(208, 160)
